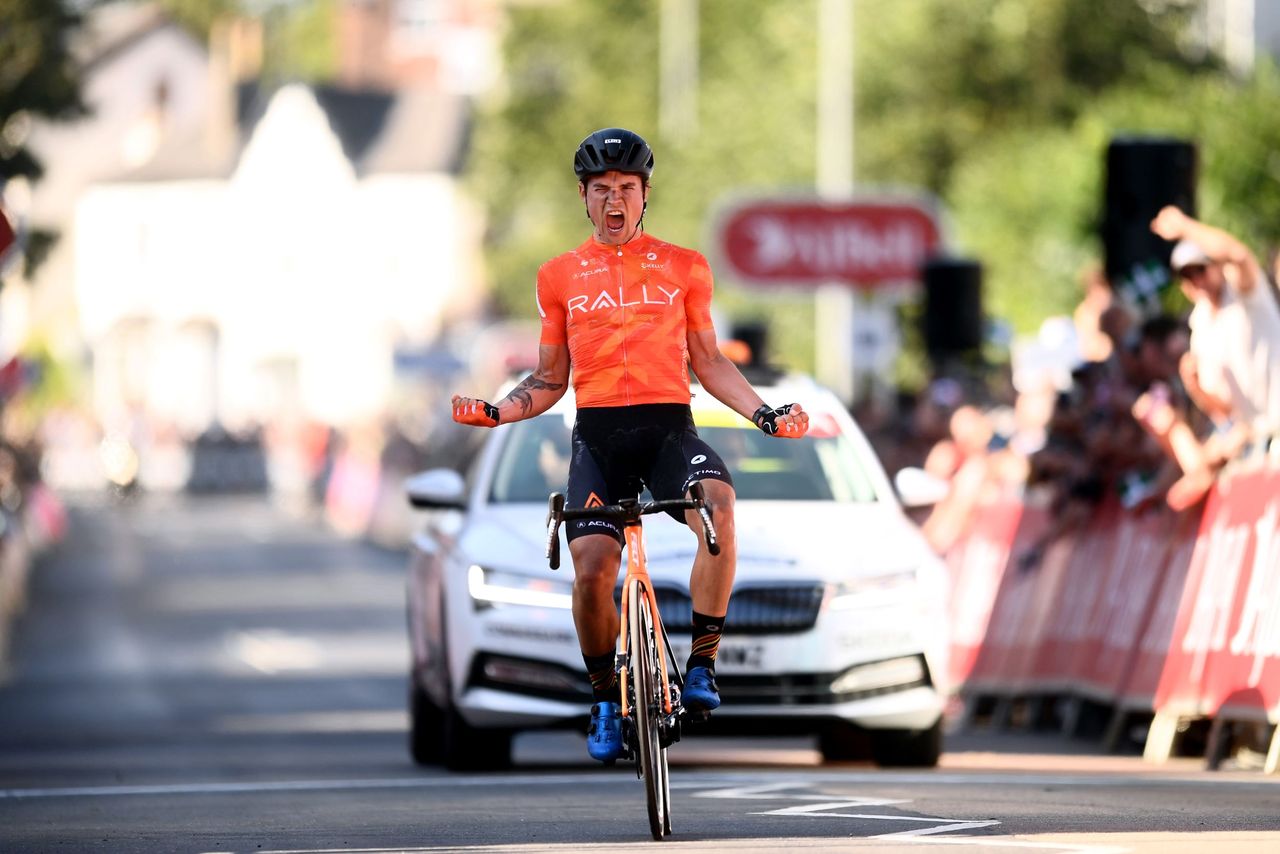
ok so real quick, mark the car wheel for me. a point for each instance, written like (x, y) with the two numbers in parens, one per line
(907, 748)
(468, 748)
(842, 742)
(426, 727)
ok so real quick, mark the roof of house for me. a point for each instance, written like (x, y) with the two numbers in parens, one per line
(403, 132)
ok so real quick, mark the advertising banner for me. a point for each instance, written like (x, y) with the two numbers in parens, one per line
(1136, 686)
(1122, 603)
(806, 242)
(977, 565)
(1225, 655)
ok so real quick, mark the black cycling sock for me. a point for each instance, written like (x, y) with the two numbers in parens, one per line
(604, 681)
(706, 641)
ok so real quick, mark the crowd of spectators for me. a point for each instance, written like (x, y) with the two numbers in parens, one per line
(1159, 404)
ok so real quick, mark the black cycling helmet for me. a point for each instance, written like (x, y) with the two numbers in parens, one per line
(613, 149)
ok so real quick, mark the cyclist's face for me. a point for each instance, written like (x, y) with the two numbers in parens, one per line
(615, 203)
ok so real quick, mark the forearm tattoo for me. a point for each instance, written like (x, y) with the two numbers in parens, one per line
(521, 393)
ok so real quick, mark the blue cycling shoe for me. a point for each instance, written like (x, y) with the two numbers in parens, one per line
(701, 694)
(604, 738)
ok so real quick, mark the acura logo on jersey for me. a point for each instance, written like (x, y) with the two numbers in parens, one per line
(605, 299)
(700, 458)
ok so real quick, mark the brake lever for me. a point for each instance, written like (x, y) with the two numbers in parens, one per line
(555, 507)
(708, 529)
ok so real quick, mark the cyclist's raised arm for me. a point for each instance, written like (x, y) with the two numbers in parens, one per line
(726, 384)
(539, 391)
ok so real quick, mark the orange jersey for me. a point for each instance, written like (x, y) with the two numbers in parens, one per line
(625, 312)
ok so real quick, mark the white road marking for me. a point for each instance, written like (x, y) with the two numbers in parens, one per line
(741, 781)
(1008, 842)
(825, 808)
(770, 792)
(953, 826)
(309, 785)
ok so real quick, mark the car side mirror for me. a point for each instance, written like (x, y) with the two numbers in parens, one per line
(436, 489)
(917, 488)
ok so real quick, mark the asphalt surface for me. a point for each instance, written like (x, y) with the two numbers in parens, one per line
(220, 675)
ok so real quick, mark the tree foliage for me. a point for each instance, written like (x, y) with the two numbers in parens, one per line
(1002, 108)
(301, 35)
(578, 66)
(199, 16)
(37, 76)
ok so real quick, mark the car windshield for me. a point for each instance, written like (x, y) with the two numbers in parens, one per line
(825, 466)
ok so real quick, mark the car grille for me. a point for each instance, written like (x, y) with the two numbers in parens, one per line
(805, 689)
(763, 609)
(555, 682)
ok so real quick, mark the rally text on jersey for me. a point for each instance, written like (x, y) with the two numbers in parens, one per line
(605, 299)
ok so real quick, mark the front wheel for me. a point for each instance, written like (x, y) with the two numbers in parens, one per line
(907, 748)
(648, 710)
(439, 736)
(426, 727)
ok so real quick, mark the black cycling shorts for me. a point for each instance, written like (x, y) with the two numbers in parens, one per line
(618, 451)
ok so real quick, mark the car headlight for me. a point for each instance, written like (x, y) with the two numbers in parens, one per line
(494, 587)
(863, 592)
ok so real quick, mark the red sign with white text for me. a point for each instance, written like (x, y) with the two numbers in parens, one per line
(792, 242)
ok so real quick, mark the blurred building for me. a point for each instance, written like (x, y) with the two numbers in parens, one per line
(236, 249)
(451, 45)
(284, 277)
(145, 79)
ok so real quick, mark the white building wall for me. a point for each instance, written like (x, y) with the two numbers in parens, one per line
(120, 129)
(290, 285)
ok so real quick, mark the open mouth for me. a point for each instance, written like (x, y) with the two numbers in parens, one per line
(614, 222)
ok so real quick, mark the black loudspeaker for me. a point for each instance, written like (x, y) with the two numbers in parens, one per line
(952, 319)
(1143, 175)
(756, 336)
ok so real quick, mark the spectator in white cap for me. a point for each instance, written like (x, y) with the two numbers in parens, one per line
(1232, 371)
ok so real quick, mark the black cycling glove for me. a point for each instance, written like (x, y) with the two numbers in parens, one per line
(767, 419)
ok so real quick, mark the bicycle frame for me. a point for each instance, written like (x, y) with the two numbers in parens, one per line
(638, 571)
(653, 729)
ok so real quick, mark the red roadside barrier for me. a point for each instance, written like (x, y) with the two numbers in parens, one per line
(977, 565)
(1172, 614)
(1226, 656)
(1135, 685)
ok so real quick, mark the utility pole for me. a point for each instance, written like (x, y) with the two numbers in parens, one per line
(678, 69)
(835, 303)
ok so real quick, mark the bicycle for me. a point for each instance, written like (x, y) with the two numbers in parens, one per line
(652, 694)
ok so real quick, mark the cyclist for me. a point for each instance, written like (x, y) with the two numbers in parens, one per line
(630, 314)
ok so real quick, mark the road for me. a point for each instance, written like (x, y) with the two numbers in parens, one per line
(222, 676)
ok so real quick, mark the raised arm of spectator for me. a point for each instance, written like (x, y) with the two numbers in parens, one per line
(1222, 247)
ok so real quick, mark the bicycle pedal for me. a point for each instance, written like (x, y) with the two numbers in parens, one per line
(698, 716)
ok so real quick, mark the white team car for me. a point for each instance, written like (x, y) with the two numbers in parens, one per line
(836, 626)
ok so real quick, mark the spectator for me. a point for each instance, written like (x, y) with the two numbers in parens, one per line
(1166, 412)
(961, 458)
(1232, 370)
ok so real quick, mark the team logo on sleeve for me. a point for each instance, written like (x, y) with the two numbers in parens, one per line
(593, 500)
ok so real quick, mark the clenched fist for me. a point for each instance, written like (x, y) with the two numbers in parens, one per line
(785, 422)
(473, 411)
